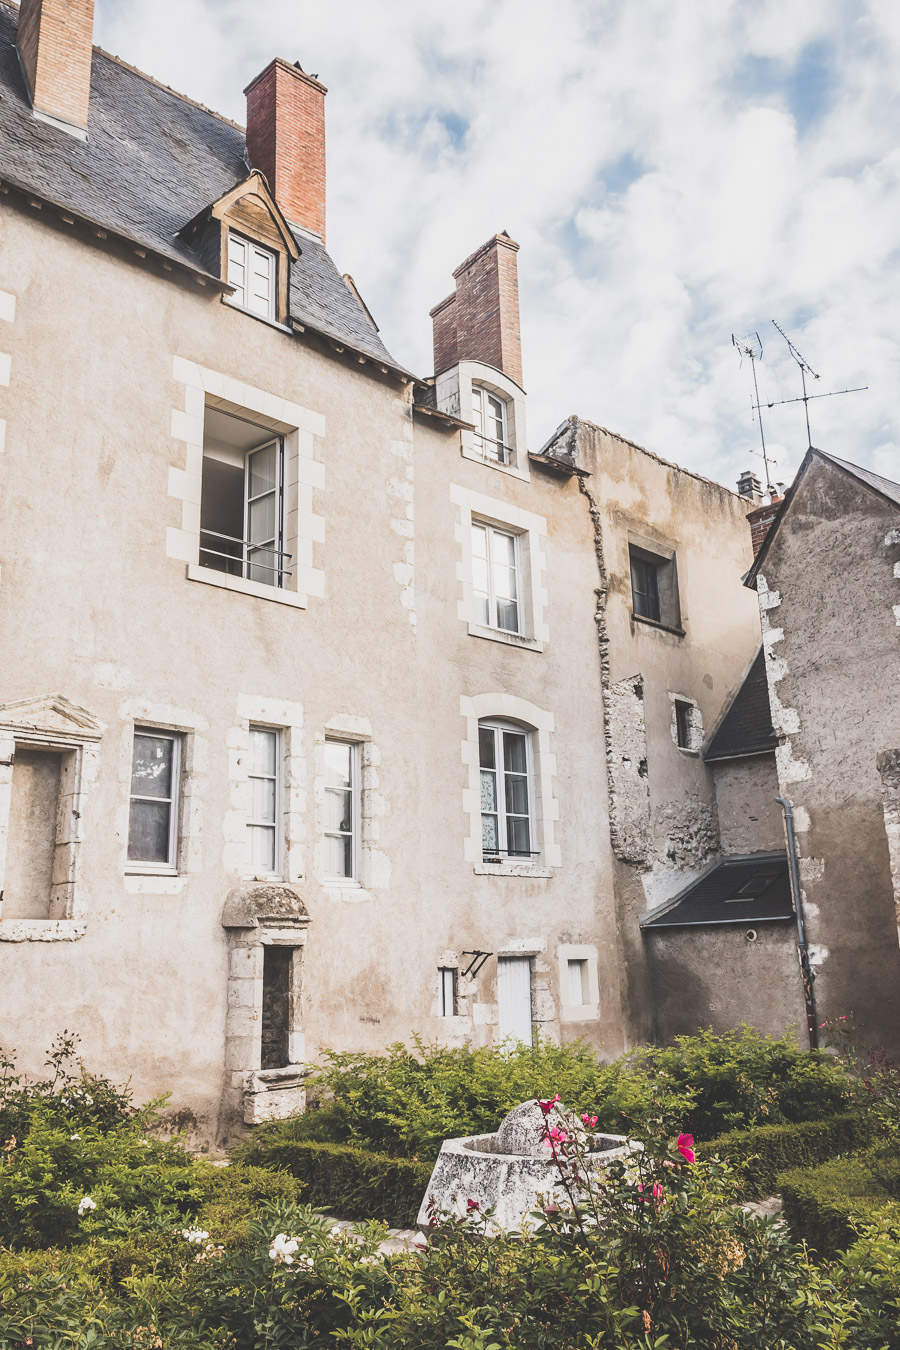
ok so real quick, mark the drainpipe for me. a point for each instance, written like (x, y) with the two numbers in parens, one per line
(806, 972)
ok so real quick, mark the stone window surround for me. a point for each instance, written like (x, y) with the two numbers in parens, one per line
(546, 808)
(453, 391)
(695, 727)
(264, 1094)
(7, 315)
(286, 717)
(36, 723)
(578, 1012)
(303, 528)
(194, 768)
(532, 533)
(373, 865)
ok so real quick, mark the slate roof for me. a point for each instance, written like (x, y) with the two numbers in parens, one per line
(746, 728)
(884, 486)
(716, 896)
(152, 161)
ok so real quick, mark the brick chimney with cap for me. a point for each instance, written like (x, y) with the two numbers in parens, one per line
(480, 320)
(286, 140)
(54, 42)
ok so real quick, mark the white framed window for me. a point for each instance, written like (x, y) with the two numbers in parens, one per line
(265, 778)
(242, 500)
(507, 815)
(489, 411)
(153, 814)
(579, 988)
(341, 764)
(496, 577)
(447, 991)
(252, 272)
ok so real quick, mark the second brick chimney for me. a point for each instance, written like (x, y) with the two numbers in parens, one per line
(760, 521)
(286, 140)
(480, 320)
(54, 41)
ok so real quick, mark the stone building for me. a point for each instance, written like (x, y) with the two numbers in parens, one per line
(329, 712)
(827, 577)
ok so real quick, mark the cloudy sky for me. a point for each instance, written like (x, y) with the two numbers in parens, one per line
(674, 173)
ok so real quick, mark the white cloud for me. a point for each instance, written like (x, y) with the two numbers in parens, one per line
(673, 173)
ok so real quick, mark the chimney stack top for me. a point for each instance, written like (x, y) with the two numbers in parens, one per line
(55, 45)
(286, 140)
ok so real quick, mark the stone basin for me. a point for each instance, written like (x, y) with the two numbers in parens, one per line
(512, 1171)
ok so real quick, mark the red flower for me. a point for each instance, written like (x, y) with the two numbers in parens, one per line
(685, 1147)
(547, 1107)
(591, 1121)
(472, 1204)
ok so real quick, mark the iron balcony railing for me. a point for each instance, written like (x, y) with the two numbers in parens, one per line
(504, 453)
(245, 559)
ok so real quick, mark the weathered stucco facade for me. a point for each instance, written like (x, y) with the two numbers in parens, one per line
(517, 655)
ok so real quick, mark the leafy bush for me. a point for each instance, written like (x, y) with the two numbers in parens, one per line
(738, 1079)
(759, 1155)
(828, 1206)
(69, 1093)
(877, 1075)
(346, 1181)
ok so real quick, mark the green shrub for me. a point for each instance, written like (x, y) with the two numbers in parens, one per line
(69, 1094)
(759, 1155)
(62, 1186)
(829, 1205)
(738, 1079)
(348, 1182)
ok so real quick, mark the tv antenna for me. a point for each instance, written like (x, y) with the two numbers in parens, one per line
(751, 347)
(805, 398)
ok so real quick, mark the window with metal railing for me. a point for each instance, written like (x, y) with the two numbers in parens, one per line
(242, 501)
(491, 429)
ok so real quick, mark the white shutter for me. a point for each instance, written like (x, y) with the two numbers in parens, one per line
(514, 998)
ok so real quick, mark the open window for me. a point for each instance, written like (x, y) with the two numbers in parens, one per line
(242, 500)
(490, 416)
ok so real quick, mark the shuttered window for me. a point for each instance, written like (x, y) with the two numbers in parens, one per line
(514, 999)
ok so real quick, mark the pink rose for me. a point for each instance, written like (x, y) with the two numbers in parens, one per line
(685, 1147)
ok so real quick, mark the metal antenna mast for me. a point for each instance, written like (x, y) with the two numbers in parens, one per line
(805, 399)
(752, 348)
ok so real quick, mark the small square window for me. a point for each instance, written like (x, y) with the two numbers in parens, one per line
(578, 983)
(265, 800)
(153, 818)
(341, 810)
(252, 271)
(447, 991)
(683, 717)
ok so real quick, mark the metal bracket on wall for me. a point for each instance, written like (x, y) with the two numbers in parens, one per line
(475, 965)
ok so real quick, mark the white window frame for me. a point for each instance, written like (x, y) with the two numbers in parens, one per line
(501, 452)
(277, 547)
(170, 867)
(355, 818)
(502, 855)
(490, 531)
(240, 297)
(578, 973)
(278, 824)
(447, 991)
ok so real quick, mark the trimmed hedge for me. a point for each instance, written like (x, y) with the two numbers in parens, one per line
(760, 1154)
(826, 1206)
(350, 1183)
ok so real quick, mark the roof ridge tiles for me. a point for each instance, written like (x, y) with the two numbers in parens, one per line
(651, 454)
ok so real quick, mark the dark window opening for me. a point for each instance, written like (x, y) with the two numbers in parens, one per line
(276, 1012)
(683, 724)
(645, 588)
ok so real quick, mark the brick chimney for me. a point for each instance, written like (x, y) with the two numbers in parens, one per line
(761, 519)
(480, 320)
(54, 41)
(286, 140)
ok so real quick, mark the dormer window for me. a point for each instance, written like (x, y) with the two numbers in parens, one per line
(252, 271)
(490, 425)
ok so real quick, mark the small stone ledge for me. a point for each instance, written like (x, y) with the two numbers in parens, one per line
(41, 930)
(274, 1094)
